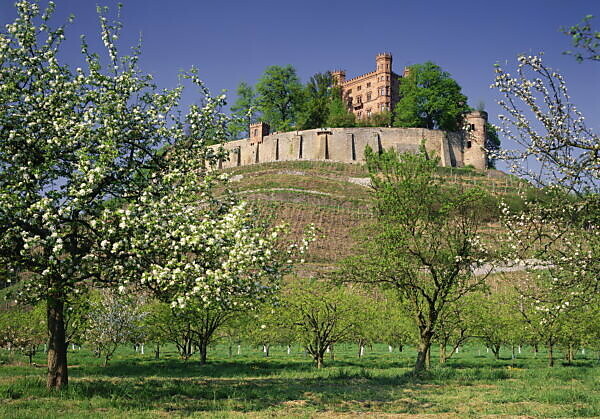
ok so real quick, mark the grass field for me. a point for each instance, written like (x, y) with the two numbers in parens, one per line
(472, 384)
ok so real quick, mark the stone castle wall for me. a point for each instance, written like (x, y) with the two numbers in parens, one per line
(347, 145)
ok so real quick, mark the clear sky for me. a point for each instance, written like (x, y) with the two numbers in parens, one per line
(231, 41)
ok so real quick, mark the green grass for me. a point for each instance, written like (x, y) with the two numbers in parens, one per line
(471, 384)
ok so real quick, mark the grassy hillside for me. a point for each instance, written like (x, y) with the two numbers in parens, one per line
(335, 197)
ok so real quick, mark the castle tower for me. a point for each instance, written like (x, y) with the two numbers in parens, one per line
(474, 153)
(339, 77)
(385, 81)
(383, 62)
(258, 131)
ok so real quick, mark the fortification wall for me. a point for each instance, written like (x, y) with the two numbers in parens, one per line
(345, 145)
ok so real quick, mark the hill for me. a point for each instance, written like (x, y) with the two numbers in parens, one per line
(336, 198)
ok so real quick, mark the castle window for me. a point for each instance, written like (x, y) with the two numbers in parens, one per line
(349, 91)
(368, 84)
(368, 95)
(469, 144)
(471, 127)
(359, 87)
(359, 114)
(368, 112)
(255, 133)
(359, 99)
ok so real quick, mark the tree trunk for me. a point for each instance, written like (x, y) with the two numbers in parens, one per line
(203, 347)
(157, 351)
(442, 353)
(570, 355)
(496, 351)
(319, 360)
(423, 351)
(550, 354)
(58, 377)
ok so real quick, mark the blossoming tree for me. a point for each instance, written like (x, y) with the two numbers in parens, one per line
(557, 235)
(104, 182)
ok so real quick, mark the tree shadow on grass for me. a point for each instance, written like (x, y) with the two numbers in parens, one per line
(187, 395)
(173, 368)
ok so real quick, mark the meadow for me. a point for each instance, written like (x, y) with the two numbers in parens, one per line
(471, 384)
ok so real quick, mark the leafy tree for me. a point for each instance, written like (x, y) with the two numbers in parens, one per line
(454, 329)
(367, 320)
(319, 313)
(269, 328)
(585, 39)
(430, 98)
(23, 330)
(338, 115)
(280, 97)
(244, 110)
(379, 119)
(494, 316)
(425, 241)
(397, 328)
(492, 143)
(166, 324)
(318, 95)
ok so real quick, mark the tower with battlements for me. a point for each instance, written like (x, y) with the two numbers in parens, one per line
(372, 92)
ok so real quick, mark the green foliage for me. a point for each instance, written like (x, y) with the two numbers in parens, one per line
(244, 110)
(379, 119)
(430, 98)
(318, 95)
(280, 97)
(586, 39)
(424, 244)
(492, 143)
(472, 383)
(23, 330)
(320, 313)
(338, 114)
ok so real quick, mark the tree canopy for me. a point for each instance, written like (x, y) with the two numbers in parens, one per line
(430, 98)
(280, 97)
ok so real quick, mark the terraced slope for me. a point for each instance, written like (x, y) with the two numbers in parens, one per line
(333, 196)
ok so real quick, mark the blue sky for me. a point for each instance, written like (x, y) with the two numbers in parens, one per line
(231, 41)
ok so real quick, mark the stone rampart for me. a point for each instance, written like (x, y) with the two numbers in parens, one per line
(347, 145)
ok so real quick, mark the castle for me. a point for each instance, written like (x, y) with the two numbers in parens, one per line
(372, 92)
(365, 95)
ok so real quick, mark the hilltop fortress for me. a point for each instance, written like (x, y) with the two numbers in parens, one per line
(370, 93)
